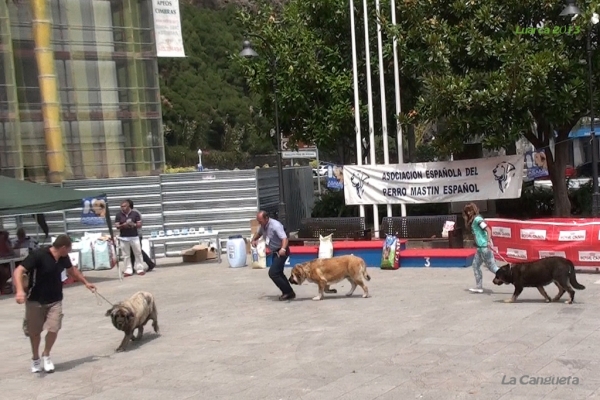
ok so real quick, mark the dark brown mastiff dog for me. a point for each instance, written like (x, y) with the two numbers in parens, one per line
(539, 274)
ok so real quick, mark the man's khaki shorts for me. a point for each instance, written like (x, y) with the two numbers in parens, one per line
(43, 317)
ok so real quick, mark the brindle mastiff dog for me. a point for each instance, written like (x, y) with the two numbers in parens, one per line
(133, 314)
(539, 274)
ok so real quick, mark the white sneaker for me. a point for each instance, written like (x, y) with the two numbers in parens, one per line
(36, 366)
(476, 290)
(48, 366)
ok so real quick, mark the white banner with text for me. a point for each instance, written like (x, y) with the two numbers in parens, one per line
(434, 182)
(167, 28)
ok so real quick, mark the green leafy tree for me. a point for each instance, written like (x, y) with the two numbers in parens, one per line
(205, 99)
(313, 99)
(466, 67)
(486, 80)
(310, 40)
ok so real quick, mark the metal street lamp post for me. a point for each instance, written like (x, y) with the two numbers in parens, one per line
(248, 52)
(572, 10)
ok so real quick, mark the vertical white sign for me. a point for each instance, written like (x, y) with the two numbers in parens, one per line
(167, 28)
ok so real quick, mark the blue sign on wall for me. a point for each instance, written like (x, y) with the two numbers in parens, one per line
(536, 164)
(335, 177)
(94, 211)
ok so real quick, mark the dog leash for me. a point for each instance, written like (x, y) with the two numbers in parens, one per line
(98, 296)
(499, 255)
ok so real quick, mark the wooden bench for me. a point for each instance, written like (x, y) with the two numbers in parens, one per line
(344, 228)
(426, 228)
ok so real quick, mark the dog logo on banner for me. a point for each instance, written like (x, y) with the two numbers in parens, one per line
(358, 180)
(503, 173)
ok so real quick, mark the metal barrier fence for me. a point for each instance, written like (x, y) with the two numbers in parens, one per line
(225, 201)
(222, 200)
(299, 195)
(268, 189)
(143, 191)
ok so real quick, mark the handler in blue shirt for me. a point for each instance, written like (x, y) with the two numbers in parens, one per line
(277, 241)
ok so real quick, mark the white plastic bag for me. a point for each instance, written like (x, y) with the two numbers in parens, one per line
(326, 246)
(259, 254)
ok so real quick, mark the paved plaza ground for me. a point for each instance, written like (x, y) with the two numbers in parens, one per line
(225, 336)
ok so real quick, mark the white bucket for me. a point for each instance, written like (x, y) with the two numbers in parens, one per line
(236, 252)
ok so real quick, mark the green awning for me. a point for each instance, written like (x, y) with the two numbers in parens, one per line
(20, 197)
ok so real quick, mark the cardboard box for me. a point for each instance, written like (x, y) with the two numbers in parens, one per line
(254, 225)
(196, 254)
(211, 253)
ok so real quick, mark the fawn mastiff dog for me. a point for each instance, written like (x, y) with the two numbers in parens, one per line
(539, 274)
(327, 271)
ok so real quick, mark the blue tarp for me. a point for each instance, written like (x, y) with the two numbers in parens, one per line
(583, 131)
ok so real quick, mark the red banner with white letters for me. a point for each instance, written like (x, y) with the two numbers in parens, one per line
(575, 239)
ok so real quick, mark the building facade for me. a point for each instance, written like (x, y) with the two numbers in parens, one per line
(79, 90)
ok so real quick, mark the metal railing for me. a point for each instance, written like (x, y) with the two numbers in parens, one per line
(225, 201)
